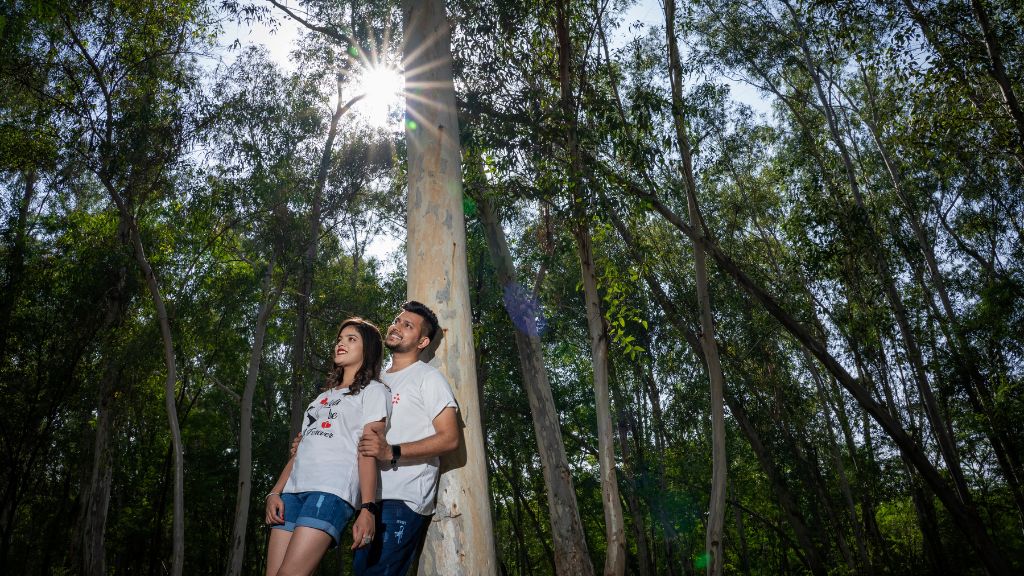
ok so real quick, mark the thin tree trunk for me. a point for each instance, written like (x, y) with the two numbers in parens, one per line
(523, 504)
(96, 498)
(170, 382)
(866, 566)
(998, 70)
(96, 495)
(932, 539)
(16, 261)
(938, 424)
(615, 560)
(960, 73)
(461, 537)
(615, 556)
(741, 533)
(306, 276)
(812, 557)
(975, 385)
(716, 506)
(624, 426)
(571, 555)
(672, 312)
(966, 518)
(244, 492)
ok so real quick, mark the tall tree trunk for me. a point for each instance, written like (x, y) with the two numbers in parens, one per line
(741, 533)
(244, 492)
(716, 505)
(960, 73)
(615, 530)
(972, 380)
(615, 560)
(939, 426)
(306, 276)
(626, 426)
(997, 69)
(920, 496)
(523, 504)
(170, 383)
(676, 317)
(866, 566)
(461, 536)
(95, 499)
(571, 555)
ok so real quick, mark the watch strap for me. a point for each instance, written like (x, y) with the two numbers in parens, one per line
(396, 454)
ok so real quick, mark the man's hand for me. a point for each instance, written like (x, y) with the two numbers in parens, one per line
(373, 444)
(295, 445)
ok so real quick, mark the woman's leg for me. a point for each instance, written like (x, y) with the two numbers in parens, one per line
(276, 548)
(303, 552)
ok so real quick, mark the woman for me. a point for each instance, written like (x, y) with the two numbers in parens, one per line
(326, 482)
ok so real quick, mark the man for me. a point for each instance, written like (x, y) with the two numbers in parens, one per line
(423, 426)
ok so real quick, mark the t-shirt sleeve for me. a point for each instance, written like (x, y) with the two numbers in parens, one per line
(437, 394)
(376, 403)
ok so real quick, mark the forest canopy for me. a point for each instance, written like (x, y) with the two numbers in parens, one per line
(746, 279)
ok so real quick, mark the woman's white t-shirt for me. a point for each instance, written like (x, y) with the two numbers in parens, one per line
(419, 393)
(326, 460)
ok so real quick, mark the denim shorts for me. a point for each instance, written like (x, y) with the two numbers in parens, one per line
(320, 510)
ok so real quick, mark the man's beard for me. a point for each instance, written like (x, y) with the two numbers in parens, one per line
(398, 347)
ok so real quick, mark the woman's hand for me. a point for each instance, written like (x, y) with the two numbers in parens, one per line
(363, 529)
(275, 509)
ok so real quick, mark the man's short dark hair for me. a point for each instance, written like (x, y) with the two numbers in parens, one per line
(427, 314)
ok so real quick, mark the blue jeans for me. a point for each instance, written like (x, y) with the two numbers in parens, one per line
(400, 531)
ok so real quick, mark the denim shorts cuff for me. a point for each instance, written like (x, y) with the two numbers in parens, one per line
(287, 526)
(319, 525)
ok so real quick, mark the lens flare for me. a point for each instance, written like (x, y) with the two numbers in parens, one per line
(382, 89)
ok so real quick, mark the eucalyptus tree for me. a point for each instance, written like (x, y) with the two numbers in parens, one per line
(501, 111)
(262, 121)
(570, 548)
(570, 68)
(685, 144)
(131, 74)
(460, 540)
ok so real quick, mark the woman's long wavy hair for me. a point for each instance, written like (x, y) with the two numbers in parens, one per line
(373, 357)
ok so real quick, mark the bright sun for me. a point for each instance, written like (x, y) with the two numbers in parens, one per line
(383, 88)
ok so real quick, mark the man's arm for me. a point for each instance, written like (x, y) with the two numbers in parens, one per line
(444, 440)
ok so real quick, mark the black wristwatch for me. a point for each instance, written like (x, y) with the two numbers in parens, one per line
(396, 453)
(372, 507)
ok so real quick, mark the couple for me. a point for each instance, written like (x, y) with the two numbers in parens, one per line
(332, 475)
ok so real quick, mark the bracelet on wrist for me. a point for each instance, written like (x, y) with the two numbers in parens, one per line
(269, 494)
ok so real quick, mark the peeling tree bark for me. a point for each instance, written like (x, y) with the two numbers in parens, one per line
(461, 537)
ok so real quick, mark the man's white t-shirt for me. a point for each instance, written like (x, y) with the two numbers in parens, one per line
(326, 460)
(419, 393)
